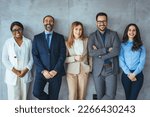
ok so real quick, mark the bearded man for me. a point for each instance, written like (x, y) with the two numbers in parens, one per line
(104, 47)
(49, 53)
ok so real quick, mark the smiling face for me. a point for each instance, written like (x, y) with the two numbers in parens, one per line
(101, 23)
(77, 31)
(17, 32)
(48, 23)
(131, 32)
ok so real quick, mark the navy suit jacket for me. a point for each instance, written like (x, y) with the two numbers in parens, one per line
(49, 59)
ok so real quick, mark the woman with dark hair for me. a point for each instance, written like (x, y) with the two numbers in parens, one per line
(132, 60)
(18, 61)
(77, 62)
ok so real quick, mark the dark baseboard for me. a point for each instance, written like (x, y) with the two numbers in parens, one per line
(94, 96)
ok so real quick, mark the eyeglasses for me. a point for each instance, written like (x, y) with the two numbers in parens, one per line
(104, 21)
(17, 30)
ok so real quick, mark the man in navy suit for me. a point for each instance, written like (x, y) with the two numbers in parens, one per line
(49, 53)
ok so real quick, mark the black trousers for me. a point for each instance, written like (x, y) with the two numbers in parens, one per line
(132, 88)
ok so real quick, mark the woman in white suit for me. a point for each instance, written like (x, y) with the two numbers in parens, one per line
(18, 61)
(78, 66)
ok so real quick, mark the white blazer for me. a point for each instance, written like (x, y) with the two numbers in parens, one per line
(9, 59)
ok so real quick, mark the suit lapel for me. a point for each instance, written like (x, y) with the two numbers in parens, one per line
(44, 41)
(71, 51)
(99, 38)
(84, 46)
(107, 38)
(53, 41)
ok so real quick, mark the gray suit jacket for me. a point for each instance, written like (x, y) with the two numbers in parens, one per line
(111, 41)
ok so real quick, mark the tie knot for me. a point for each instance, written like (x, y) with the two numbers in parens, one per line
(48, 35)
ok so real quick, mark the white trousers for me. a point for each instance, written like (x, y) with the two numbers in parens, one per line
(18, 91)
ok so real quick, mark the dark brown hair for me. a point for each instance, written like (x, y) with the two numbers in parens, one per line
(48, 16)
(101, 14)
(137, 42)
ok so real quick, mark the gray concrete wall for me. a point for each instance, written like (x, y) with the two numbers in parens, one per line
(120, 12)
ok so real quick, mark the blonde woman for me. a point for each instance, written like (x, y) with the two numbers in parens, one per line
(77, 62)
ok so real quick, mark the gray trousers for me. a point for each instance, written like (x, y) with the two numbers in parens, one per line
(106, 84)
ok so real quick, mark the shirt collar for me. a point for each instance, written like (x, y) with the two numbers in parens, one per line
(47, 32)
(15, 40)
(104, 32)
(130, 41)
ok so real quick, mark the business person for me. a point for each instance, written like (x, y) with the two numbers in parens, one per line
(18, 61)
(77, 62)
(132, 60)
(49, 54)
(104, 46)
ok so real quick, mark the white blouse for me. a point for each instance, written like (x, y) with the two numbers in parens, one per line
(19, 55)
(78, 46)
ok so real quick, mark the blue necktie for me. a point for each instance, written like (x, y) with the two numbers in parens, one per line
(48, 39)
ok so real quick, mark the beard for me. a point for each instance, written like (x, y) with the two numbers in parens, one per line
(102, 28)
(48, 27)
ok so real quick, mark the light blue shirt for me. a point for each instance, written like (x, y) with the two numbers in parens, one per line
(50, 37)
(131, 60)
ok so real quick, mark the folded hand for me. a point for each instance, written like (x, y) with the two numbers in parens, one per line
(132, 77)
